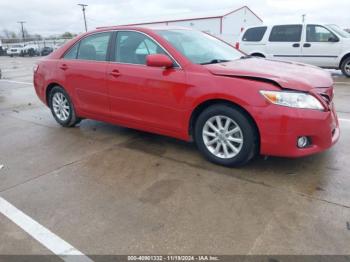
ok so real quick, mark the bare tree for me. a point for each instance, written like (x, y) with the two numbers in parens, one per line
(68, 35)
(9, 34)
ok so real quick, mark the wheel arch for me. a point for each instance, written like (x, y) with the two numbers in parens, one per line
(207, 103)
(258, 54)
(343, 58)
(49, 88)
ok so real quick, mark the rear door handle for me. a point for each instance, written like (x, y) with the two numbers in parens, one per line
(307, 45)
(64, 67)
(296, 45)
(115, 73)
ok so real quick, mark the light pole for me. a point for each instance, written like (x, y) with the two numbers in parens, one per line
(83, 9)
(22, 29)
(303, 18)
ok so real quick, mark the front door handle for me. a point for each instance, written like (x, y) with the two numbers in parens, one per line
(307, 45)
(296, 45)
(115, 73)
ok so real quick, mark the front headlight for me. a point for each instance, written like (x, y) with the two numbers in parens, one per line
(293, 99)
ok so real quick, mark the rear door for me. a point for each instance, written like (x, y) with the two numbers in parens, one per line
(84, 71)
(285, 42)
(321, 47)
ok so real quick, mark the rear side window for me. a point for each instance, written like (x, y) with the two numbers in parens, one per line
(255, 34)
(286, 33)
(94, 47)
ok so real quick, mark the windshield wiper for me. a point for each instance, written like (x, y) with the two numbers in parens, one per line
(215, 61)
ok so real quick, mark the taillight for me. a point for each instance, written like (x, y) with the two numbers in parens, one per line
(35, 68)
(237, 45)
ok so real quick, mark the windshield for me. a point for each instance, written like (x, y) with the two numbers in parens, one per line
(199, 47)
(339, 31)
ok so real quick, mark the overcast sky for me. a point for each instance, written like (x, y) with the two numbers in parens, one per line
(52, 17)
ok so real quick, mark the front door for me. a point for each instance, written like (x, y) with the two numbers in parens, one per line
(147, 96)
(321, 47)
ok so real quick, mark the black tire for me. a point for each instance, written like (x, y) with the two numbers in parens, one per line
(258, 55)
(344, 65)
(72, 118)
(249, 147)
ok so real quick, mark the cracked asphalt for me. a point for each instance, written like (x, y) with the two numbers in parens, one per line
(111, 190)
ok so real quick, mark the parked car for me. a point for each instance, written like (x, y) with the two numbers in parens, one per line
(15, 50)
(2, 51)
(189, 85)
(30, 50)
(56, 46)
(46, 51)
(326, 46)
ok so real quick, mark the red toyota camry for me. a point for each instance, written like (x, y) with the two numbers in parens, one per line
(189, 85)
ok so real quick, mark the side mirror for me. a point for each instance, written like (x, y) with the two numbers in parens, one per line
(333, 39)
(159, 60)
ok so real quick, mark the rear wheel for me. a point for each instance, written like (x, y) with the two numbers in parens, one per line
(62, 107)
(345, 67)
(225, 136)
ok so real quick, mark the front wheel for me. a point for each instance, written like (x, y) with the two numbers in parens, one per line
(226, 136)
(345, 67)
(62, 107)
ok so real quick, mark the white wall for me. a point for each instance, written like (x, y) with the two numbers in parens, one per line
(233, 23)
(211, 26)
(153, 24)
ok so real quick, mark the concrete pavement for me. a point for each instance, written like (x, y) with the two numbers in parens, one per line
(111, 190)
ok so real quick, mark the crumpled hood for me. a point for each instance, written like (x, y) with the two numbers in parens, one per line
(290, 75)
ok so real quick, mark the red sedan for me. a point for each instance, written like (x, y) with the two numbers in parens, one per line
(189, 85)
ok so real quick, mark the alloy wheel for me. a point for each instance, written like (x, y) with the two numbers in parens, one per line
(347, 68)
(61, 106)
(222, 136)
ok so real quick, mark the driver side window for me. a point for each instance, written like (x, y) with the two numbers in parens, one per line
(316, 33)
(133, 48)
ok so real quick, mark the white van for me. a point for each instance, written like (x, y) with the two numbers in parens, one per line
(326, 46)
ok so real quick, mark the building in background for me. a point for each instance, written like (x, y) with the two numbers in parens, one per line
(225, 24)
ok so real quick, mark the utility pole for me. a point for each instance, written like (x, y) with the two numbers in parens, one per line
(22, 29)
(83, 9)
(303, 18)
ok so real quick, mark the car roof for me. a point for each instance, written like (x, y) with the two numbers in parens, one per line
(143, 28)
(279, 24)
